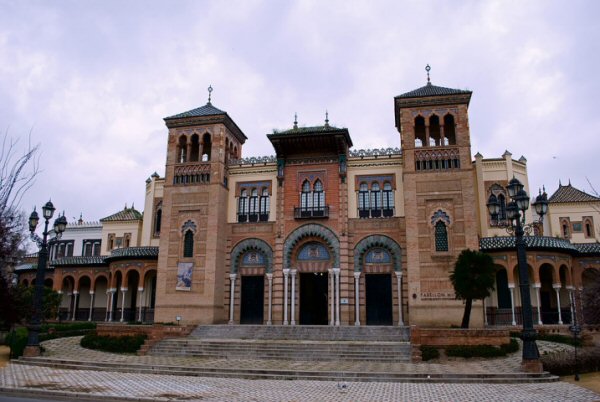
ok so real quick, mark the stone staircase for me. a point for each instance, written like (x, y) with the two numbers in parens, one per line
(309, 343)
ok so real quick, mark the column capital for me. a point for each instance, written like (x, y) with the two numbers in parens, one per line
(124, 289)
(569, 287)
(269, 275)
(537, 285)
(286, 271)
(111, 290)
(356, 274)
(556, 285)
(336, 271)
(76, 292)
(398, 274)
(293, 272)
(232, 276)
(91, 292)
(511, 285)
(140, 289)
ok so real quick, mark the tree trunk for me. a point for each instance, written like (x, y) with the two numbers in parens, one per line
(467, 314)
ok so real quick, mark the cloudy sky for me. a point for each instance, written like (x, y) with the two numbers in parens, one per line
(92, 80)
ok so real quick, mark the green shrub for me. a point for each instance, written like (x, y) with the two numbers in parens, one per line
(468, 351)
(429, 353)
(68, 327)
(17, 340)
(563, 363)
(557, 338)
(115, 344)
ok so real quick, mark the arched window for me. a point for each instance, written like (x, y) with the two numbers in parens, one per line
(243, 206)
(306, 197)
(565, 229)
(318, 198)
(441, 236)
(363, 200)
(264, 205)
(188, 244)
(375, 200)
(435, 136)
(157, 221)
(182, 149)
(253, 213)
(420, 130)
(388, 199)
(502, 290)
(588, 225)
(206, 147)
(449, 130)
(195, 151)
(502, 202)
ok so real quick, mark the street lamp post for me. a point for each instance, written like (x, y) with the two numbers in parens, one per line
(33, 344)
(515, 224)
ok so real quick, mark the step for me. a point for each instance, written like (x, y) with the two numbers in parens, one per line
(362, 376)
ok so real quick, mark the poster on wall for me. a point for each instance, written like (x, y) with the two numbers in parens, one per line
(184, 276)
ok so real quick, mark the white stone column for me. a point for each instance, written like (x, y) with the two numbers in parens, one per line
(556, 287)
(91, 305)
(571, 303)
(141, 293)
(270, 307)
(112, 292)
(511, 288)
(356, 298)
(293, 297)
(331, 297)
(58, 311)
(231, 296)
(400, 312)
(485, 320)
(75, 294)
(124, 291)
(286, 272)
(336, 273)
(537, 287)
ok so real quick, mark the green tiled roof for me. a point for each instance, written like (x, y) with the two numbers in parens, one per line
(206, 110)
(533, 242)
(310, 130)
(569, 193)
(587, 248)
(432, 90)
(133, 252)
(127, 214)
(80, 260)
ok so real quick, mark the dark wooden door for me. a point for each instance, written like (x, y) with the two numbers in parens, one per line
(252, 303)
(378, 289)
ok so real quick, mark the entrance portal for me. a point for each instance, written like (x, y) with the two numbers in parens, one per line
(313, 298)
(252, 303)
(378, 289)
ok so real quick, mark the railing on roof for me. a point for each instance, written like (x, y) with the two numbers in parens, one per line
(253, 160)
(362, 153)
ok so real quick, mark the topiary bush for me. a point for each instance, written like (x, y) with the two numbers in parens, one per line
(429, 353)
(17, 340)
(115, 344)
(563, 363)
(468, 351)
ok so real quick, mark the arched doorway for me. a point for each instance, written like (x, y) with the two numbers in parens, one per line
(313, 261)
(378, 257)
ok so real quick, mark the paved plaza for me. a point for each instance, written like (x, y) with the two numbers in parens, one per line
(107, 385)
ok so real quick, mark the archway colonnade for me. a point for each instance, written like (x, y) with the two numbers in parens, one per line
(306, 288)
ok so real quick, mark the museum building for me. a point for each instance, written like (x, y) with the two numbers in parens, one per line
(321, 234)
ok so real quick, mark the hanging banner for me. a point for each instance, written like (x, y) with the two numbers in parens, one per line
(184, 276)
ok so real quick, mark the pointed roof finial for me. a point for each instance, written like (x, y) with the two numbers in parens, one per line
(428, 68)
(326, 118)
(210, 89)
(559, 183)
(569, 181)
(295, 120)
(80, 221)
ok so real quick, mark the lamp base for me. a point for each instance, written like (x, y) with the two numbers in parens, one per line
(532, 366)
(32, 351)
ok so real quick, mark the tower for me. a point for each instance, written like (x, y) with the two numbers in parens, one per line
(191, 265)
(439, 195)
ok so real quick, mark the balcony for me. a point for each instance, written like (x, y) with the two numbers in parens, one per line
(311, 212)
(376, 213)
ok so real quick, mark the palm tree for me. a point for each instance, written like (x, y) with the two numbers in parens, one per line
(473, 279)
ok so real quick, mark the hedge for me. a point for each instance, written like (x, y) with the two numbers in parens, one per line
(429, 353)
(563, 363)
(468, 351)
(115, 344)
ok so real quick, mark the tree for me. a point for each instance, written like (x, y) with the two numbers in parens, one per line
(473, 279)
(17, 174)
